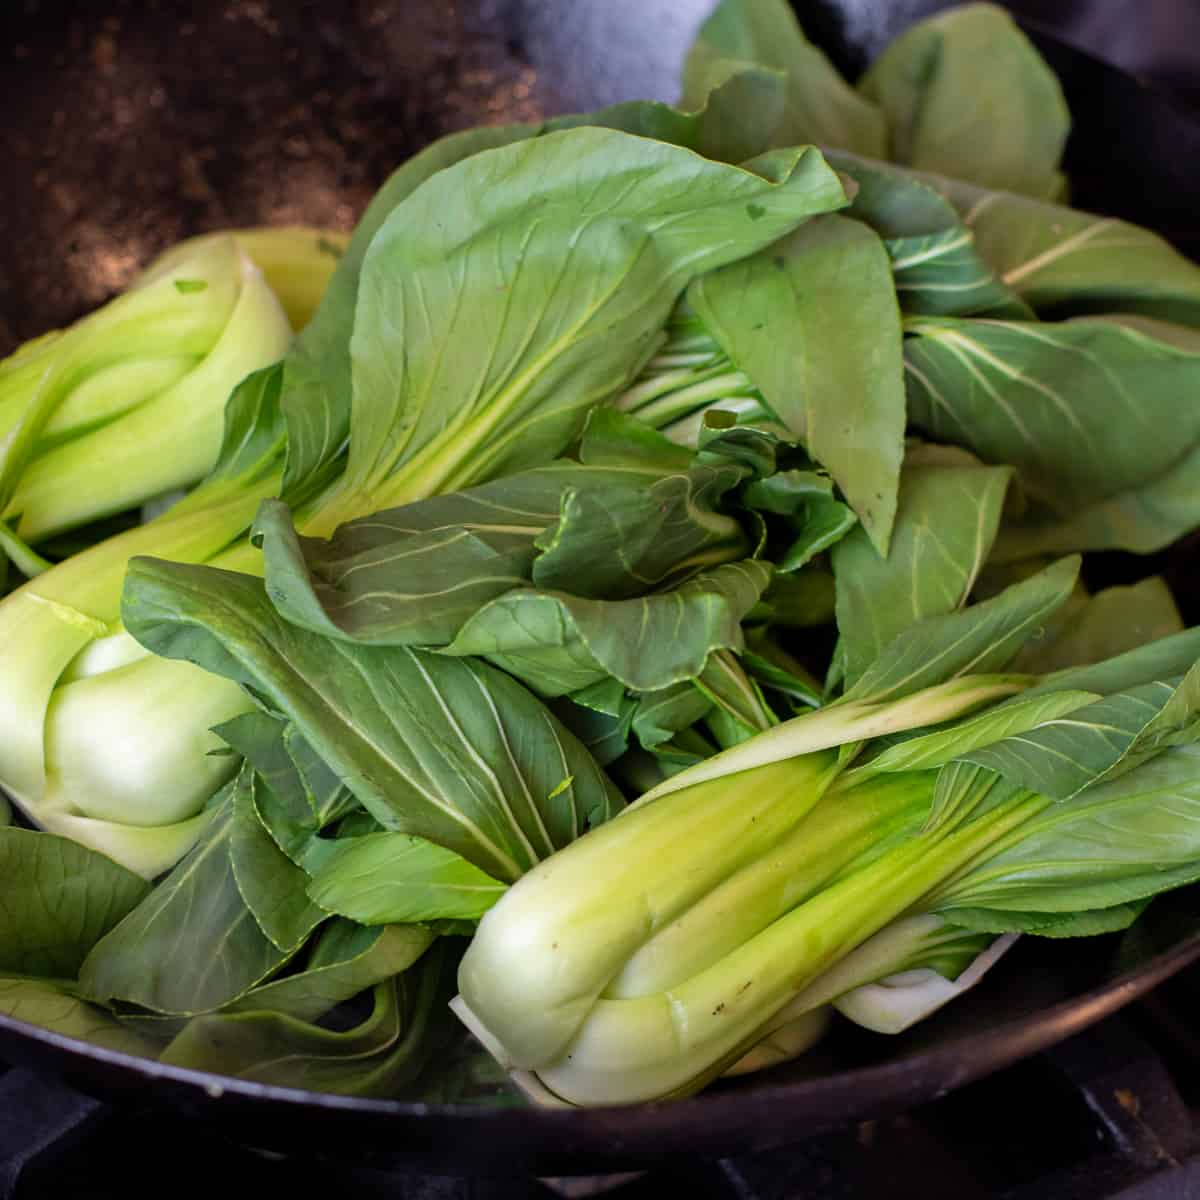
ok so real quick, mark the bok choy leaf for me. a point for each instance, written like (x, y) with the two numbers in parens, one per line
(445, 749)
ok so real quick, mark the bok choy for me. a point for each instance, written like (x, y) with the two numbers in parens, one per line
(635, 219)
(642, 993)
(632, 596)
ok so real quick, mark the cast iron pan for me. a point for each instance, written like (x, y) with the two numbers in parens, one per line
(127, 125)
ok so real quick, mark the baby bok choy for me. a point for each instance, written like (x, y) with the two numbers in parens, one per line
(131, 397)
(526, 284)
(737, 898)
(91, 746)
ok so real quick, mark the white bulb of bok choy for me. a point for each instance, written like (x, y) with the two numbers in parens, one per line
(98, 741)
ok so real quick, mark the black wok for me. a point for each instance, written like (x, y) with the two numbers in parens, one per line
(126, 125)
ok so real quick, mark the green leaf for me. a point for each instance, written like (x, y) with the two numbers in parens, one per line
(1109, 623)
(1064, 262)
(192, 944)
(284, 802)
(409, 574)
(937, 267)
(601, 717)
(60, 898)
(346, 959)
(318, 386)
(734, 693)
(735, 123)
(1052, 924)
(814, 323)
(253, 438)
(381, 1054)
(413, 575)
(816, 521)
(1063, 756)
(270, 883)
(1167, 658)
(549, 267)
(966, 94)
(614, 544)
(54, 1007)
(925, 751)
(431, 746)
(1144, 519)
(978, 639)
(317, 371)
(942, 274)
(946, 522)
(819, 105)
(1113, 843)
(392, 878)
(771, 666)
(662, 714)
(797, 599)
(559, 643)
(1076, 407)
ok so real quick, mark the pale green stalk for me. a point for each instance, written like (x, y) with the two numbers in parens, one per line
(132, 398)
(628, 879)
(846, 722)
(673, 1041)
(840, 829)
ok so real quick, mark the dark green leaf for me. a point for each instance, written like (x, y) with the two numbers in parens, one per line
(976, 640)
(797, 599)
(814, 323)
(449, 750)
(661, 715)
(270, 883)
(775, 669)
(284, 802)
(966, 94)
(60, 898)
(1076, 407)
(819, 106)
(54, 1007)
(938, 269)
(617, 544)
(192, 945)
(347, 959)
(559, 643)
(601, 717)
(946, 522)
(375, 1058)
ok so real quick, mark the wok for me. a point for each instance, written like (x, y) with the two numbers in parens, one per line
(125, 126)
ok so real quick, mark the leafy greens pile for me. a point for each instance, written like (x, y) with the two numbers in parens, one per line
(632, 600)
